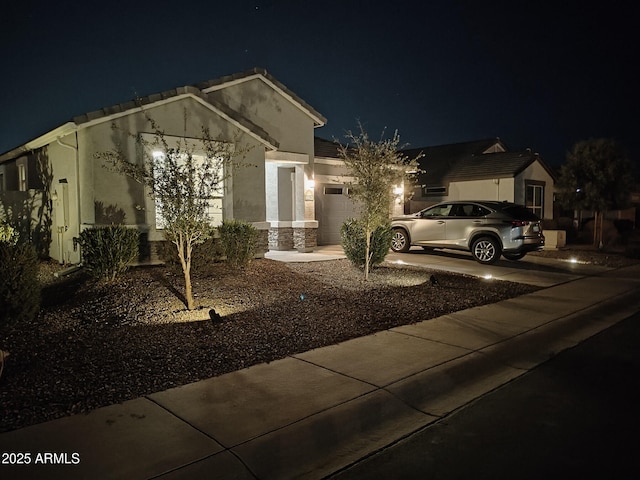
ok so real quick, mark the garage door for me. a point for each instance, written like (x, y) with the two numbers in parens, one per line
(333, 207)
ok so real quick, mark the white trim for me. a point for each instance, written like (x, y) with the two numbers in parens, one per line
(175, 99)
(286, 157)
(329, 161)
(261, 225)
(49, 137)
(295, 224)
(305, 224)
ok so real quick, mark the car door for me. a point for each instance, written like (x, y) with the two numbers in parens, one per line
(430, 225)
(464, 218)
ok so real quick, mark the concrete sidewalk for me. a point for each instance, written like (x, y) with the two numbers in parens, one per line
(312, 414)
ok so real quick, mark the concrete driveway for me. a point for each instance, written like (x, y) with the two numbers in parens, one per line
(532, 270)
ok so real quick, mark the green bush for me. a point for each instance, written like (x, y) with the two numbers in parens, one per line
(107, 251)
(239, 241)
(354, 242)
(19, 285)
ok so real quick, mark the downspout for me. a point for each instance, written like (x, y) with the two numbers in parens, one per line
(77, 165)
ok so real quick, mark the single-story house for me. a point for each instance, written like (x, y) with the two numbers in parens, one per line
(55, 185)
(482, 170)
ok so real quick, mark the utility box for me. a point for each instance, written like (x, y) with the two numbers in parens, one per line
(554, 239)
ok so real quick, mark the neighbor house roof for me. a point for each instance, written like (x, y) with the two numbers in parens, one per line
(325, 148)
(474, 160)
(198, 92)
(492, 165)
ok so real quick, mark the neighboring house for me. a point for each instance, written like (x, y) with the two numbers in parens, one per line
(55, 186)
(482, 170)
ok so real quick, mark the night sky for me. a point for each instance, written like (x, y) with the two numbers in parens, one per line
(537, 76)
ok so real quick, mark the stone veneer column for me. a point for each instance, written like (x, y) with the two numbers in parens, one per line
(262, 246)
(281, 238)
(305, 235)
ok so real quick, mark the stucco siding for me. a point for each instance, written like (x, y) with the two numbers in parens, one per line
(244, 197)
(536, 172)
(500, 189)
(267, 108)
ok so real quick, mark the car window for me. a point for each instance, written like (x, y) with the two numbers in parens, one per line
(478, 211)
(437, 211)
(521, 213)
(468, 210)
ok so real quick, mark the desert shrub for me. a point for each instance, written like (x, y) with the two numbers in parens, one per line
(238, 240)
(108, 251)
(19, 285)
(354, 242)
(8, 234)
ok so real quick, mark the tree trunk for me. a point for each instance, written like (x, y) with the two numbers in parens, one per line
(188, 293)
(184, 253)
(600, 243)
(367, 255)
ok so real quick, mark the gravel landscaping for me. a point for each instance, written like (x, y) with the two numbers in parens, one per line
(96, 344)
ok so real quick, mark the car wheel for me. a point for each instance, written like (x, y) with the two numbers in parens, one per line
(514, 256)
(486, 250)
(400, 241)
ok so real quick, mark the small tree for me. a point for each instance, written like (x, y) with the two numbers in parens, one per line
(182, 183)
(596, 176)
(377, 168)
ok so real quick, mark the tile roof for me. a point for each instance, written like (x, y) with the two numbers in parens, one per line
(325, 148)
(195, 90)
(443, 164)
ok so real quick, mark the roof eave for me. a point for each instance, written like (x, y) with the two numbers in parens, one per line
(41, 141)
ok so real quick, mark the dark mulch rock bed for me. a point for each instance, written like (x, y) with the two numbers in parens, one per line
(97, 344)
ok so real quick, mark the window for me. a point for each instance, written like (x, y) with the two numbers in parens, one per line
(433, 191)
(333, 190)
(22, 177)
(1, 182)
(534, 198)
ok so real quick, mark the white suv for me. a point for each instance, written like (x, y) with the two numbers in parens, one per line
(486, 229)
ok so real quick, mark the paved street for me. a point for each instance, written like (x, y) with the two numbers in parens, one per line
(575, 416)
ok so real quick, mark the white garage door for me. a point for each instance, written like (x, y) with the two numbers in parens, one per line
(333, 207)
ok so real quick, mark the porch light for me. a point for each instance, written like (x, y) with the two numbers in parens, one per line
(310, 183)
(398, 190)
